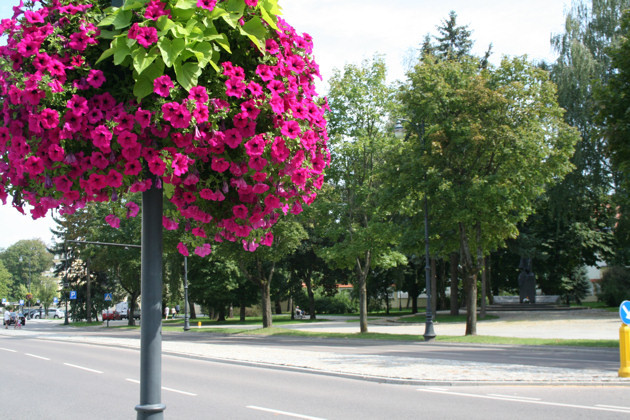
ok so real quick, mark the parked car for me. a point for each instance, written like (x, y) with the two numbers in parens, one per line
(111, 315)
(55, 313)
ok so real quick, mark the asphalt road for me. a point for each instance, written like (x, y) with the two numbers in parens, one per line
(61, 380)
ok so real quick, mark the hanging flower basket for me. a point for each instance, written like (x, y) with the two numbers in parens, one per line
(213, 101)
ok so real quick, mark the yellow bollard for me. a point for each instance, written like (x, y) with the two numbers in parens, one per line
(199, 324)
(624, 350)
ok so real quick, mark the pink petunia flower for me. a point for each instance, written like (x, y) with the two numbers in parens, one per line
(96, 78)
(207, 4)
(163, 85)
(183, 249)
(113, 221)
(132, 209)
(203, 250)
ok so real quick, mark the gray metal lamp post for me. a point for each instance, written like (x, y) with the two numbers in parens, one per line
(150, 406)
(429, 332)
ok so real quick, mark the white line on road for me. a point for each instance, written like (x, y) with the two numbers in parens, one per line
(511, 399)
(36, 356)
(135, 381)
(12, 351)
(178, 391)
(515, 397)
(83, 368)
(284, 413)
(612, 406)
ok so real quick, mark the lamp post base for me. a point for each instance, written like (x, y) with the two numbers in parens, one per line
(429, 333)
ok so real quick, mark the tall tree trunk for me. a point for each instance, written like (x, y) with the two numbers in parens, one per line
(290, 307)
(489, 290)
(241, 312)
(193, 313)
(278, 307)
(265, 299)
(413, 293)
(221, 316)
(362, 273)
(311, 295)
(454, 285)
(470, 282)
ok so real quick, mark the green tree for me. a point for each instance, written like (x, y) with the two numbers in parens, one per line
(360, 233)
(453, 42)
(259, 267)
(5, 282)
(26, 261)
(493, 140)
(572, 226)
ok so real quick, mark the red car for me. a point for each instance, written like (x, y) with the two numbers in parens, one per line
(111, 316)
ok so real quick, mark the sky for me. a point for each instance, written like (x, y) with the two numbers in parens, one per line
(350, 31)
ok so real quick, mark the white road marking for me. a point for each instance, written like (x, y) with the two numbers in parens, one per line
(36, 356)
(83, 368)
(488, 397)
(178, 391)
(284, 413)
(12, 351)
(612, 406)
(135, 381)
(515, 397)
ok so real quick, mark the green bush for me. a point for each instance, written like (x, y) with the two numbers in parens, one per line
(615, 286)
(340, 303)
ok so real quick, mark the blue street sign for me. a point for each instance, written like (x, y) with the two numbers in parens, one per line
(55, 300)
(624, 312)
(21, 302)
(73, 295)
(4, 301)
(108, 297)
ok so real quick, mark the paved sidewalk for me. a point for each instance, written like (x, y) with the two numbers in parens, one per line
(394, 368)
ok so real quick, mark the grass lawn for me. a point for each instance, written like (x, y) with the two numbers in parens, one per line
(478, 339)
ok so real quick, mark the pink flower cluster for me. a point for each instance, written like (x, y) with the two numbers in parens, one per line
(237, 153)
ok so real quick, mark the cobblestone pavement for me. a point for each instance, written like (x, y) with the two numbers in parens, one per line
(588, 324)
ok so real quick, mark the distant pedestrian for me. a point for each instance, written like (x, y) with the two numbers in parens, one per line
(177, 309)
(7, 317)
(173, 311)
(166, 312)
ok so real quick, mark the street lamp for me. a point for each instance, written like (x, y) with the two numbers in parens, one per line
(429, 332)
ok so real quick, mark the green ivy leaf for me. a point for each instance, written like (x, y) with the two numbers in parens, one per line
(132, 5)
(142, 59)
(109, 20)
(171, 49)
(123, 19)
(106, 54)
(169, 190)
(186, 4)
(121, 49)
(269, 10)
(143, 87)
(164, 24)
(256, 31)
(224, 42)
(187, 74)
